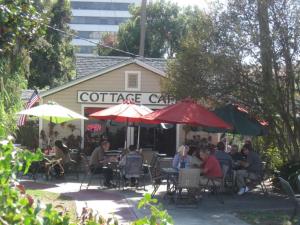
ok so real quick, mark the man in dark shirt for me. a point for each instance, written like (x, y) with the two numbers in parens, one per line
(252, 169)
(98, 161)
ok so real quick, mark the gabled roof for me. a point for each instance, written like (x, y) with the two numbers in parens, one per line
(87, 74)
(86, 65)
(26, 94)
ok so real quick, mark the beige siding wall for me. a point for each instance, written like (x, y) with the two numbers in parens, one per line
(111, 81)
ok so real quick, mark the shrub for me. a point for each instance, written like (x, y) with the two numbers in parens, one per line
(273, 158)
(290, 172)
(15, 206)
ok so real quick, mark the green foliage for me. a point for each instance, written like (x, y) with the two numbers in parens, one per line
(165, 27)
(201, 63)
(290, 172)
(11, 82)
(55, 47)
(273, 158)
(20, 25)
(158, 215)
(15, 206)
(28, 135)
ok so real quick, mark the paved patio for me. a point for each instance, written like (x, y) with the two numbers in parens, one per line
(122, 204)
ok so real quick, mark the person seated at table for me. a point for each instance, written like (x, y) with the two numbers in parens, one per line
(132, 154)
(196, 161)
(98, 162)
(62, 152)
(210, 167)
(56, 165)
(223, 157)
(252, 169)
(182, 159)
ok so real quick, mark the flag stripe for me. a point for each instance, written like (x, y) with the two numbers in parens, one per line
(33, 99)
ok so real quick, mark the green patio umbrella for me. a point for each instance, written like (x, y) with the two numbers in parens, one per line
(241, 121)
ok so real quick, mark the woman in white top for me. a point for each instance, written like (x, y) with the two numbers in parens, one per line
(182, 159)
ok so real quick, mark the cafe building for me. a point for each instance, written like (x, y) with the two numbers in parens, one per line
(105, 81)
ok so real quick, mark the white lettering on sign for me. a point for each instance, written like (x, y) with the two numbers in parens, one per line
(119, 97)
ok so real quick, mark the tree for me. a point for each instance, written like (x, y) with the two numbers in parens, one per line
(52, 61)
(259, 42)
(20, 26)
(201, 68)
(164, 29)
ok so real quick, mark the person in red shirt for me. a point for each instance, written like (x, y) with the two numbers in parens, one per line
(210, 167)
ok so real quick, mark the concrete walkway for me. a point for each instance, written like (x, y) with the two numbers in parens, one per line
(123, 204)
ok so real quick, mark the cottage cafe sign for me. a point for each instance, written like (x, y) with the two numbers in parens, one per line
(118, 97)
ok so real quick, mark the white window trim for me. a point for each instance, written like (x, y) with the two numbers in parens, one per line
(139, 80)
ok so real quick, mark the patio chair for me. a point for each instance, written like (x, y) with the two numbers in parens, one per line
(216, 185)
(298, 183)
(260, 181)
(147, 156)
(187, 186)
(165, 163)
(133, 169)
(228, 177)
(156, 177)
(73, 167)
(291, 194)
(88, 173)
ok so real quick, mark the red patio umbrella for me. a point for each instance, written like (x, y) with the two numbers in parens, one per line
(127, 112)
(187, 112)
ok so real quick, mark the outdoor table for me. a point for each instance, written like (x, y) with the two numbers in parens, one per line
(50, 157)
(171, 175)
(161, 155)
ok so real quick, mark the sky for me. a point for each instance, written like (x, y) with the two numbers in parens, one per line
(200, 3)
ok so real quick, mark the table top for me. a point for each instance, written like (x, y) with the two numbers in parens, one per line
(169, 170)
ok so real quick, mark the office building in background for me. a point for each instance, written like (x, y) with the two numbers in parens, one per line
(93, 18)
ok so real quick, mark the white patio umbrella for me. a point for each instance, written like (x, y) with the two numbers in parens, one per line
(53, 112)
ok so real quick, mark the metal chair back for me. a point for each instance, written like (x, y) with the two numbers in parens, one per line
(298, 183)
(287, 188)
(225, 170)
(133, 166)
(85, 164)
(165, 163)
(147, 156)
(189, 178)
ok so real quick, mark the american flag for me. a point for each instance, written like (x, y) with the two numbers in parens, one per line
(33, 99)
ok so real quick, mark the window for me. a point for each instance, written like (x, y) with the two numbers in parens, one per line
(100, 6)
(132, 80)
(94, 34)
(98, 20)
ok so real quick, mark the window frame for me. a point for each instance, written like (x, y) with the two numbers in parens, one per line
(138, 73)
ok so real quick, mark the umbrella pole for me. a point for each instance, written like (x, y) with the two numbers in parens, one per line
(126, 134)
(138, 138)
(49, 141)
